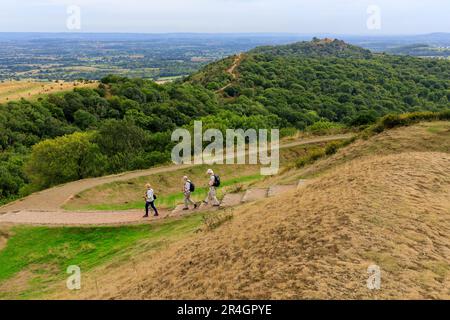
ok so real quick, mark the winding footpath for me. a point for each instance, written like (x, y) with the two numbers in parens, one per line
(232, 71)
(45, 207)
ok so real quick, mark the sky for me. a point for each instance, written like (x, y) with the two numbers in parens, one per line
(387, 17)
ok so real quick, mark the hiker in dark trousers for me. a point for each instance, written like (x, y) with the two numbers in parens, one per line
(187, 190)
(150, 200)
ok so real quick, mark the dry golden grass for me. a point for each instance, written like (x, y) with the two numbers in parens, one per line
(422, 137)
(316, 242)
(15, 90)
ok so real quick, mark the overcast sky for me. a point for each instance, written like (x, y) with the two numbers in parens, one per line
(293, 16)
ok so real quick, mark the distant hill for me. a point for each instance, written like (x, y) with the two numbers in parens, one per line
(328, 79)
(422, 50)
(316, 48)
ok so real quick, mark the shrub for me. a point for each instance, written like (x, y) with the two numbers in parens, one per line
(83, 119)
(318, 153)
(398, 120)
(444, 115)
(67, 158)
(332, 148)
(364, 118)
(312, 156)
(323, 127)
(288, 132)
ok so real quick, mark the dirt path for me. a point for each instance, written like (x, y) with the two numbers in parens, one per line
(53, 199)
(63, 218)
(45, 207)
(231, 71)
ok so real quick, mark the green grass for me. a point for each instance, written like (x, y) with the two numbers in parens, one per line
(47, 252)
(437, 128)
(171, 200)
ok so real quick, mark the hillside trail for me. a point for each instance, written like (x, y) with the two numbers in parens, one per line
(231, 71)
(45, 207)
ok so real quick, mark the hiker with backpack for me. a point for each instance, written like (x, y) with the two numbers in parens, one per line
(214, 182)
(188, 188)
(150, 198)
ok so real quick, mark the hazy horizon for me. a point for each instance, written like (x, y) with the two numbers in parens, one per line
(300, 17)
(229, 33)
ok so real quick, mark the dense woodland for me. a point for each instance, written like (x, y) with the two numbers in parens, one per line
(126, 124)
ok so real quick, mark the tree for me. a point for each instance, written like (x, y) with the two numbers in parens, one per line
(84, 119)
(67, 158)
(120, 136)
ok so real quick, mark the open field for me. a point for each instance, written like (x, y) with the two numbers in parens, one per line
(163, 80)
(15, 90)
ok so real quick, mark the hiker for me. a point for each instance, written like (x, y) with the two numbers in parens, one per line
(188, 188)
(214, 182)
(150, 198)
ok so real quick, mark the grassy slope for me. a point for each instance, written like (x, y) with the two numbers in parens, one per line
(425, 136)
(37, 257)
(369, 208)
(318, 242)
(386, 207)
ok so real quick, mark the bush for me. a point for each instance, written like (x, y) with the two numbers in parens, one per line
(318, 153)
(84, 119)
(324, 127)
(399, 120)
(68, 158)
(332, 148)
(232, 91)
(288, 132)
(120, 136)
(364, 118)
(312, 156)
(444, 115)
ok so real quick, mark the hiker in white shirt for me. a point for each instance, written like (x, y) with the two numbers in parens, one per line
(150, 200)
(187, 193)
(212, 189)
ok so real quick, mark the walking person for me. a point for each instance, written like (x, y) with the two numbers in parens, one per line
(188, 188)
(214, 182)
(150, 198)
